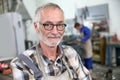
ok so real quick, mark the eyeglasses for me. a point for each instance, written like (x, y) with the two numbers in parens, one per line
(50, 26)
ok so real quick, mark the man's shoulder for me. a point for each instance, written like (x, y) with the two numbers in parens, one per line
(27, 53)
(69, 51)
(86, 27)
(67, 47)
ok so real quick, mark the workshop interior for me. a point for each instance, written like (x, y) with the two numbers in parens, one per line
(102, 17)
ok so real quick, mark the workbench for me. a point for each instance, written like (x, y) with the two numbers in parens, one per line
(113, 53)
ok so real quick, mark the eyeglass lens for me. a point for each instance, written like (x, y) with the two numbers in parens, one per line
(60, 27)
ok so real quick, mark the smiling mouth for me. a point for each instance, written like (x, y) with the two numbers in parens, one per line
(54, 37)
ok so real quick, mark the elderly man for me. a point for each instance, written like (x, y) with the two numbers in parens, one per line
(48, 60)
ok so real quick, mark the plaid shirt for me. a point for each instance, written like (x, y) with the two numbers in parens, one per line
(52, 68)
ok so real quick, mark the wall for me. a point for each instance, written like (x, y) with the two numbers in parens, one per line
(114, 12)
(30, 6)
(115, 17)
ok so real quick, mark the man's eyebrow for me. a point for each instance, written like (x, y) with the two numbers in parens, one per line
(48, 22)
(60, 21)
(55, 22)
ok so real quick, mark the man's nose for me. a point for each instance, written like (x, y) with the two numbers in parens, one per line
(55, 31)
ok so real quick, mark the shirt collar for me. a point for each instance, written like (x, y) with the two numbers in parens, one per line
(47, 61)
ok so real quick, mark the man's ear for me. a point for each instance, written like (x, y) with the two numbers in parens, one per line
(36, 27)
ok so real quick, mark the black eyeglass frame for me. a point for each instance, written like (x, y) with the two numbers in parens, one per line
(50, 26)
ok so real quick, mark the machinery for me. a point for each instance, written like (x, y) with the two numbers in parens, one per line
(11, 35)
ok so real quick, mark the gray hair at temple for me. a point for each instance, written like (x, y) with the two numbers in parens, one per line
(41, 8)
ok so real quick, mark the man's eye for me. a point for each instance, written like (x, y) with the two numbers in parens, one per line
(59, 25)
(46, 24)
(63, 25)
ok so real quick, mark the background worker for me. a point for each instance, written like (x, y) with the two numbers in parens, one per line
(85, 38)
(49, 60)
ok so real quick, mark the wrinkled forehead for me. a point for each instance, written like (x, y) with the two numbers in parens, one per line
(50, 10)
(51, 6)
(52, 14)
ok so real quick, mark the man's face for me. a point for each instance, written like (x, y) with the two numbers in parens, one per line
(79, 27)
(51, 16)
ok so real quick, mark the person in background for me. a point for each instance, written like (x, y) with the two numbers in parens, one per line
(49, 60)
(85, 38)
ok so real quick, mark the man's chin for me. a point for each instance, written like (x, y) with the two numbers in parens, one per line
(50, 44)
(53, 45)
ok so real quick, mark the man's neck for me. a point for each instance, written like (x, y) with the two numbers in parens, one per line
(48, 51)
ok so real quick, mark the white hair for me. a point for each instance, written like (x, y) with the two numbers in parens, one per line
(41, 8)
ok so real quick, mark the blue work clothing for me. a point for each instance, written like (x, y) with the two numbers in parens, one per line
(85, 36)
(86, 33)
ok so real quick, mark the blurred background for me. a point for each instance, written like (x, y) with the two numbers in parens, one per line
(101, 16)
